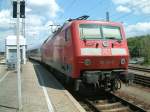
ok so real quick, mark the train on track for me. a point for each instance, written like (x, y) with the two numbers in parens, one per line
(89, 53)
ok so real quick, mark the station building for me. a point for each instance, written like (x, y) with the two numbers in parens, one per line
(11, 50)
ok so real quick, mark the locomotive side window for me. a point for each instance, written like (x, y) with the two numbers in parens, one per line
(90, 31)
(67, 35)
(111, 32)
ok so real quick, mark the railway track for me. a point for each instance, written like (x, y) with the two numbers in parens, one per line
(139, 68)
(141, 78)
(110, 102)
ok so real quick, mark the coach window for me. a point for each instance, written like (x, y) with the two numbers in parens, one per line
(67, 35)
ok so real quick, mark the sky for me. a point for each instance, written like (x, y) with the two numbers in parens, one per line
(134, 14)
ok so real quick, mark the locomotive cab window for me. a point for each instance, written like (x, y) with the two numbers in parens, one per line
(95, 31)
(111, 32)
(67, 35)
(90, 31)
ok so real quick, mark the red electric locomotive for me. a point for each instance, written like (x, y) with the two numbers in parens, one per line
(88, 52)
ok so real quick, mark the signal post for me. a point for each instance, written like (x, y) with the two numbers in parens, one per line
(18, 12)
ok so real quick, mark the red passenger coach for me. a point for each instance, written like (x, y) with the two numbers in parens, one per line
(88, 52)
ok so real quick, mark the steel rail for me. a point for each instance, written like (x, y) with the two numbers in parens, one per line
(143, 80)
(139, 68)
(125, 103)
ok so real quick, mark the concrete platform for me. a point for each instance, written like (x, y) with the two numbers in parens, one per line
(32, 94)
(41, 92)
(60, 99)
(8, 92)
(2, 69)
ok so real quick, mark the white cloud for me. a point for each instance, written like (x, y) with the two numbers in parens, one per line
(28, 9)
(34, 20)
(4, 13)
(54, 8)
(37, 29)
(49, 7)
(123, 9)
(146, 9)
(137, 6)
(140, 28)
(120, 1)
(5, 18)
(39, 2)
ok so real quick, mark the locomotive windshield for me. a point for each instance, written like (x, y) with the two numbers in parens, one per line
(90, 31)
(94, 31)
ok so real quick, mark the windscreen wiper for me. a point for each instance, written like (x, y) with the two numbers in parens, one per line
(110, 38)
(118, 40)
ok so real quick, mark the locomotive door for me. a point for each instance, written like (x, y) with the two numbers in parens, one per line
(67, 51)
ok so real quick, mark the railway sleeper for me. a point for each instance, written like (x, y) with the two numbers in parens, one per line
(142, 77)
(101, 101)
(121, 109)
(148, 110)
(142, 82)
(109, 106)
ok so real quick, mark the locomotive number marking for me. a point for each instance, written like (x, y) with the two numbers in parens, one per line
(106, 52)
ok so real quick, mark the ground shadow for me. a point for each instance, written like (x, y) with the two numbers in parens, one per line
(45, 78)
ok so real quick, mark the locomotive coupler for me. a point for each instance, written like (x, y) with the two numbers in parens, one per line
(91, 77)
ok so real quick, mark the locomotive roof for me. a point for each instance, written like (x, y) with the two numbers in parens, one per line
(68, 23)
(96, 22)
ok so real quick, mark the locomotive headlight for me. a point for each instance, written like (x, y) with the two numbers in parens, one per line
(123, 61)
(87, 62)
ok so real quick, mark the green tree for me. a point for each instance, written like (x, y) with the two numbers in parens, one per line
(139, 46)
